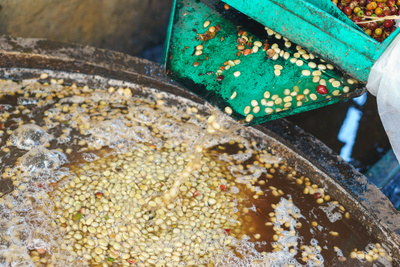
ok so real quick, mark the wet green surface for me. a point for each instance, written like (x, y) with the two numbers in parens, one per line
(256, 69)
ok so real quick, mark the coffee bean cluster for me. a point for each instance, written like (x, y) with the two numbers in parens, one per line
(358, 10)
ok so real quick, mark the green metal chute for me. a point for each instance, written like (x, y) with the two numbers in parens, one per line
(246, 85)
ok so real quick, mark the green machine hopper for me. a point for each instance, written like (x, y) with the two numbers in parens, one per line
(262, 60)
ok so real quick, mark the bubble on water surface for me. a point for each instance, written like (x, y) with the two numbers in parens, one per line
(89, 157)
(29, 136)
(40, 159)
(27, 101)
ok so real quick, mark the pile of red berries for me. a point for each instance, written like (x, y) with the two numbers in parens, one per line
(356, 10)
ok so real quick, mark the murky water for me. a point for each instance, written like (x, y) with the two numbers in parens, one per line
(89, 169)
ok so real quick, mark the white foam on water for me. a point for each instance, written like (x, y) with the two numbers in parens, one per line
(27, 101)
(89, 157)
(332, 215)
(234, 189)
(73, 99)
(5, 107)
(39, 160)
(28, 136)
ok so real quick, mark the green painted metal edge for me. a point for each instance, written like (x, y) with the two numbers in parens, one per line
(388, 41)
(169, 32)
(318, 31)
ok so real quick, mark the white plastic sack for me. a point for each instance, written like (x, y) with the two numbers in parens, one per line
(384, 83)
